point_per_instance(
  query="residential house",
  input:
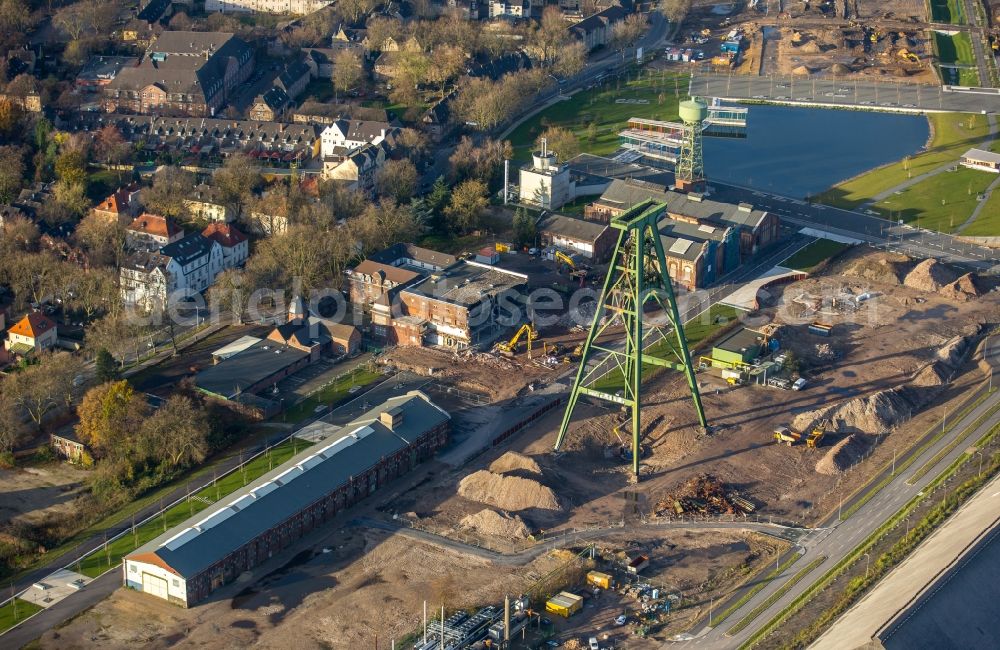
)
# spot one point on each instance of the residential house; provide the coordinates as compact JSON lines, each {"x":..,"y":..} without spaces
{"x":467,"y":9}
{"x":184,"y":73}
{"x":321,"y":59}
{"x":596,"y":30}
{"x":437,"y":119}
{"x":510,"y":8}
{"x":324,"y":114}
{"x":152,"y":231}
{"x":294,"y":78}
{"x":152,"y":278}
{"x":283,"y":7}
{"x":414,"y":257}
{"x":206,"y":204}
{"x":66,"y":445}
{"x":34,"y":333}
{"x":316,"y":335}
{"x":122,"y":206}
{"x":139,"y":32}
{"x":343,"y":136}
{"x":357,"y":170}
{"x":235,"y":246}
{"x":270,"y":105}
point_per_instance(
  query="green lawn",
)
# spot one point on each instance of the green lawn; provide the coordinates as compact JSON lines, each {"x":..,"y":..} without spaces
{"x":101,"y":560}
{"x":947,"y":11}
{"x":696,"y":330}
{"x":987,"y":224}
{"x":942,"y":202}
{"x":808,"y":258}
{"x":955,"y":49}
{"x":101,"y":183}
{"x":331,"y":393}
{"x":9,"y":619}
{"x":953,"y":134}
{"x":598,"y":107}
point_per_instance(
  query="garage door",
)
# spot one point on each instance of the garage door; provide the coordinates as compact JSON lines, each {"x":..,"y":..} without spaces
{"x":154,"y":585}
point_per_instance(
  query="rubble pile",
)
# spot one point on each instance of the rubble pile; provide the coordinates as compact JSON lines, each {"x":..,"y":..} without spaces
{"x":485,"y":358}
{"x":877,"y":269}
{"x":703,"y":495}
{"x":875,"y":413}
{"x":515,"y":463}
{"x":511,"y":493}
{"x":496,"y":524}
{"x":844,"y":454}
{"x":930,"y":275}
{"x":963,"y":289}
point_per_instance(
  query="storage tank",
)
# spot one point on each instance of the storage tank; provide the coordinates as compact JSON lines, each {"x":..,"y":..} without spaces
{"x":693,"y":111}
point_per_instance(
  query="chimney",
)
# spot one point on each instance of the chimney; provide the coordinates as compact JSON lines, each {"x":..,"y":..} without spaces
{"x":391,"y":418}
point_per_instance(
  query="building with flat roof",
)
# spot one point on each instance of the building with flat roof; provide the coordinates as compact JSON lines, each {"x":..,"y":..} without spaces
{"x":986,"y":161}
{"x":742,"y":346}
{"x":256,"y":368}
{"x":545,"y":183}
{"x":187,"y":563}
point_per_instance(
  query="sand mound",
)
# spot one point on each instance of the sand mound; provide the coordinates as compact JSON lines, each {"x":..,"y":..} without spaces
{"x":496,"y":524}
{"x":812,"y":47}
{"x":875,"y":413}
{"x":802,"y":71}
{"x":952,"y":353}
{"x":511,"y":493}
{"x":839,"y":68}
{"x":843,"y":454}
{"x":963,"y":289}
{"x":933,"y":374}
{"x":929,"y":275}
{"x":875,"y":270}
{"x":515,"y":462}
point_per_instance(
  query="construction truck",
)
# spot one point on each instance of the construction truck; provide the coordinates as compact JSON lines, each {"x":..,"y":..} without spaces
{"x":502,"y":248}
{"x":784,"y":435}
{"x":815,"y":438}
{"x":565,"y":259}
{"x":508,"y":348}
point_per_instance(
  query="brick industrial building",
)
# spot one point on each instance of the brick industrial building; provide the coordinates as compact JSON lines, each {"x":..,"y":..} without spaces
{"x":187,"y":563}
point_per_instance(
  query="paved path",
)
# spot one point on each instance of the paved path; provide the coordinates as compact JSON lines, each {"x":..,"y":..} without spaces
{"x":835,"y":539}
{"x":920,"y":572}
{"x":979,"y":208}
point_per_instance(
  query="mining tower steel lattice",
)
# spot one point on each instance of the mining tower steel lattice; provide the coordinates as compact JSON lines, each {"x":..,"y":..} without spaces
{"x":636,"y":277}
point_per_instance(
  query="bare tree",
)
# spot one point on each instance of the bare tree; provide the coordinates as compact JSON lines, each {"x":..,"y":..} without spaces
{"x":397,"y":179}
{"x":177,"y":432}
{"x":171,"y":185}
{"x":347,"y":71}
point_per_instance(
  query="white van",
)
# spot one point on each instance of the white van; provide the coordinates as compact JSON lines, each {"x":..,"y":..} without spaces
{"x":593,"y":643}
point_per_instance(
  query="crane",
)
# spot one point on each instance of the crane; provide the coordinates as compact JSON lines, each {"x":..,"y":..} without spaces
{"x":507,"y":348}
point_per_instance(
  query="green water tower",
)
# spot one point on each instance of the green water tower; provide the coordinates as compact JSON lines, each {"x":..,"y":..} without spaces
{"x":690,"y":170}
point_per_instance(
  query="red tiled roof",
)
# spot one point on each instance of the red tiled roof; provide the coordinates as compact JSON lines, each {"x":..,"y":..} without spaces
{"x":33,"y":325}
{"x":117,"y":202}
{"x":155,"y":225}
{"x":227,"y":235}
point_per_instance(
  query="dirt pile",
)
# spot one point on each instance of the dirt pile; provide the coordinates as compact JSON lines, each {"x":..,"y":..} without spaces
{"x":824,"y":352}
{"x":877,"y":269}
{"x":510,"y":493}
{"x":953,"y":353}
{"x":496,"y":524}
{"x":929,"y":275}
{"x":802,"y":71}
{"x":876,"y":413}
{"x":840,"y":68}
{"x":513,"y":462}
{"x":704,"y":495}
{"x":844,"y":454}
{"x":963,"y":289}
{"x":812,"y":47}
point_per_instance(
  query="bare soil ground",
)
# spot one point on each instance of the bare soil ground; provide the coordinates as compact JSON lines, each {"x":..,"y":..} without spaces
{"x":30,"y":494}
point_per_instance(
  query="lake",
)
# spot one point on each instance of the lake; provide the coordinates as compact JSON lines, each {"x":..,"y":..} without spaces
{"x":802,"y":151}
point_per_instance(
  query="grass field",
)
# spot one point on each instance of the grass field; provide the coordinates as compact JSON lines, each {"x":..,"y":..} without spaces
{"x":808,"y":258}
{"x":597,"y":106}
{"x":103,"y":559}
{"x":330,"y":394}
{"x":24,"y":609}
{"x":953,"y":134}
{"x":942,"y":202}
{"x":955,"y":49}
{"x":987,"y":224}
{"x":947,"y":11}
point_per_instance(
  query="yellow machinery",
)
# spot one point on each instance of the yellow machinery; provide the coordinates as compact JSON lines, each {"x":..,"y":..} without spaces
{"x":907,"y":55}
{"x":816,"y":437}
{"x":784,"y":435}
{"x":502,"y":248}
{"x":565,"y":259}
{"x":508,"y":348}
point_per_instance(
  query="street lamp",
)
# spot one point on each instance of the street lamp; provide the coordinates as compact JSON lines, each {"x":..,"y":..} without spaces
{"x":868,"y":559}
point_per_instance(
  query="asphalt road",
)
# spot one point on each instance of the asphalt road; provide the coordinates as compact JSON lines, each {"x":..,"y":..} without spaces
{"x":884,"y":96}
{"x":867,"y":228}
{"x":838,"y":538}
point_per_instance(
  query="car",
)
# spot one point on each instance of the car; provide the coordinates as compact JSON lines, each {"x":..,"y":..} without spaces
{"x":621,"y":620}
{"x":593,"y":644}
{"x":799,"y":384}
{"x":552,"y":643}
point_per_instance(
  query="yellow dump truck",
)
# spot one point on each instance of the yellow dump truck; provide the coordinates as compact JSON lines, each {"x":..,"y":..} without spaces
{"x":564,"y":604}
{"x":784,"y":435}
{"x":598,"y":579}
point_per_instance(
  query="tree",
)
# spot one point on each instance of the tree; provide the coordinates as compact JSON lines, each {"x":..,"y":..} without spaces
{"x":231,"y":292}
{"x":571,"y":59}
{"x":559,"y":141}
{"x":12,"y":427}
{"x":482,"y":161}
{"x":11,"y":116}
{"x":675,"y":10}
{"x":525,"y":229}
{"x":67,"y":372}
{"x":70,"y":202}
{"x":94,"y":290}
{"x":171,"y":185}
{"x":397,"y":179}
{"x":39,"y":388}
{"x":111,"y":417}
{"x":383,"y":225}
{"x":468,"y":202}
{"x":550,"y":35}
{"x":447,"y":62}
{"x":104,"y":366}
{"x":626,"y":32}
{"x":11,"y":172}
{"x":380,"y":29}
{"x":110,"y":146}
{"x":103,"y":239}
{"x":354,"y":10}
{"x":347,"y":71}
{"x":71,"y":167}
{"x":15,"y":16}
{"x":177,"y":432}
{"x":237,"y":180}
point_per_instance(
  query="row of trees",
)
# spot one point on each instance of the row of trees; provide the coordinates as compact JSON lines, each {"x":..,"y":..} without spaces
{"x":35,"y":392}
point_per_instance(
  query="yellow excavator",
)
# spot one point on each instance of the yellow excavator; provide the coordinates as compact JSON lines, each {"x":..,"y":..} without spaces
{"x":815,"y":438}
{"x":508,"y":348}
{"x":565,"y":259}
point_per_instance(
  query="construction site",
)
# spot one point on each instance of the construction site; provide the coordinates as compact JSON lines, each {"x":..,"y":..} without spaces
{"x":889,"y":40}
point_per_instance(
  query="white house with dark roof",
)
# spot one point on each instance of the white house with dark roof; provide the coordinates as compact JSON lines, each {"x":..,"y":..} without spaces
{"x":151,"y":278}
{"x":344,"y":136}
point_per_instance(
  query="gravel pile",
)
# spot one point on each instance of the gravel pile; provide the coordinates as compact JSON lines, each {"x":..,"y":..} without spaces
{"x":512,"y":493}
